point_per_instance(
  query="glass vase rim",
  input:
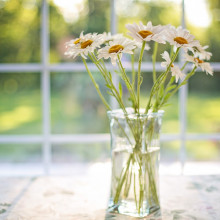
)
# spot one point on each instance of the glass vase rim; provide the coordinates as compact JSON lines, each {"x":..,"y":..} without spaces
{"x":120,"y":114}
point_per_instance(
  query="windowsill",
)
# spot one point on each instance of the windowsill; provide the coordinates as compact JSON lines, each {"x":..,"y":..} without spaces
{"x":85,"y":169}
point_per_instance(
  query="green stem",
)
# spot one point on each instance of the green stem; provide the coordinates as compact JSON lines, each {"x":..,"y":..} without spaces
{"x":184,"y":81}
{"x":96,"y":86}
{"x":103,"y":64}
{"x":151,"y":178}
{"x":125,"y":173}
{"x":154,"y":56}
{"x":141,"y":192}
{"x":183,"y":67}
{"x":109,"y":81}
{"x":133,"y":72}
{"x":139,"y":76}
{"x":97,"y":63}
{"x":164,"y":101}
{"x":160,"y":81}
{"x":128,"y":183}
{"x":121,"y":182}
{"x":171,"y":51}
{"x":128,"y":84}
{"x":135,"y":196}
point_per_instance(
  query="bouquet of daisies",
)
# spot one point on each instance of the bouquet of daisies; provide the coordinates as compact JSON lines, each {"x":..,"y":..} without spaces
{"x":101,"y":47}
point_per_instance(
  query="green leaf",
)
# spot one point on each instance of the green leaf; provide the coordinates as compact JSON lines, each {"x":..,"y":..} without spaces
{"x":110,"y":93}
{"x":127,"y":84}
{"x":110,"y":75}
{"x":120,"y":89}
{"x":141,"y":80}
{"x":168,"y":104}
{"x":184,"y":83}
{"x":161,"y":91}
{"x":172,"y":80}
{"x":170,"y":88}
{"x":108,"y":86}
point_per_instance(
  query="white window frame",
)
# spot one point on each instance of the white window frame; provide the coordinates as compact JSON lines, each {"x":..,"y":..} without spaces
{"x":45,"y":68}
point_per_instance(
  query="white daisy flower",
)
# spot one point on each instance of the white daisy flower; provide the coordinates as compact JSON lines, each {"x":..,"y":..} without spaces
{"x":177,"y":73}
{"x":205,"y":66}
{"x":165,"y":55}
{"x":139,"y":45}
{"x":201,"y":52}
{"x":175,"y":70}
{"x":83,"y":45}
{"x":180,"y":38}
{"x":146,"y":32}
{"x":115,"y":48}
{"x":110,"y":37}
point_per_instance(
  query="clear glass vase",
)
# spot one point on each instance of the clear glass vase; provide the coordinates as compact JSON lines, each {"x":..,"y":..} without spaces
{"x":135,"y":162}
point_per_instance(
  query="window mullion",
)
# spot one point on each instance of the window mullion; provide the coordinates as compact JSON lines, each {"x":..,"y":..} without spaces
{"x":183,"y":92}
{"x":45,"y":87}
{"x":115,"y":77}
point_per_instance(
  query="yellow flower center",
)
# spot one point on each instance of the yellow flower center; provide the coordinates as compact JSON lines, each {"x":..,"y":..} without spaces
{"x":144,"y":33}
{"x":76,"y":41}
{"x":115,"y":48}
{"x":198,"y":60}
{"x":180,"y":40}
{"x":86,"y":44}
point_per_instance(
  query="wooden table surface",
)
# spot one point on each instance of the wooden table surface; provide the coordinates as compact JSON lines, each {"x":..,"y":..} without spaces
{"x":85,"y":198}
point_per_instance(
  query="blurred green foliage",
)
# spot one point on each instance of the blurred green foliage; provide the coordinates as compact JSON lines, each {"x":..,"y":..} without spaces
{"x":20,"y":28}
{"x":75,"y":106}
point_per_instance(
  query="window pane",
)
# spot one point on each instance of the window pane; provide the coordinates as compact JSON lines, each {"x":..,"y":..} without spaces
{"x":20,"y":108}
{"x":80,"y":159}
{"x":203,"y":105}
{"x":20,"y":31}
{"x":20,"y":153}
{"x":203,"y":150}
{"x":75,"y":104}
{"x":169,"y":151}
{"x":170,"y":158}
{"x":73,"y":17}
{"x":203,"y":21}
{"x":78,"y":153}
{"x":159,"y":12}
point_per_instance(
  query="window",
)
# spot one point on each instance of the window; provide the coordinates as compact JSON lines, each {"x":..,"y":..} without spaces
{"x":48,"y":107}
